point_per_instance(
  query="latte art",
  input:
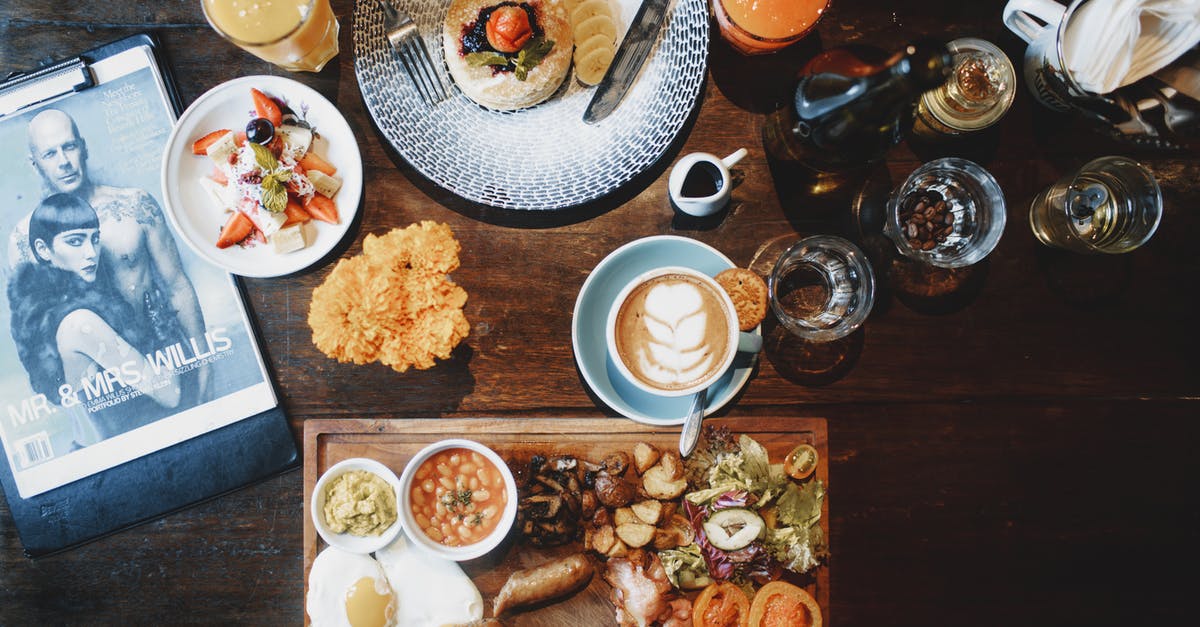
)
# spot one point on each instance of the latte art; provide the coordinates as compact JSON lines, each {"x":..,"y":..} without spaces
{"x":672,"y":332}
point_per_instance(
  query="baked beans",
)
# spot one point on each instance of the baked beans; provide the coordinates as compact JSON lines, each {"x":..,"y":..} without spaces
{"x":457,"y":497}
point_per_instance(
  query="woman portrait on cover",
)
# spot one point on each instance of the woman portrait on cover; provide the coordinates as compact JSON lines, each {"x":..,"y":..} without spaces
{"x":70,"y":324}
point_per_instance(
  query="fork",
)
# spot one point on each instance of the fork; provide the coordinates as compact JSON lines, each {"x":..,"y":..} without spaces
{"x":404,"y":38}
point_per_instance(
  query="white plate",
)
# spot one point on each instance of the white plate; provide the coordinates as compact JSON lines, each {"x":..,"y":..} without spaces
{"x":198,"y":221}
{"x":543,"y":157}
{"x":591,"y":313}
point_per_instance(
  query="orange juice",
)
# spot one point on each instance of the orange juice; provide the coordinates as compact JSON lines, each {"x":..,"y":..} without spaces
{"x":760,"y":26}
{"x":297,"y":35}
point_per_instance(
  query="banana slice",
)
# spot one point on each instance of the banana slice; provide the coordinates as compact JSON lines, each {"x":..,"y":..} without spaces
{"x":571,"y":4}
{"x":589,"y":9}
{"x":591,"y":68}
{"x":594,"y":42}
{"x":596,"y":25}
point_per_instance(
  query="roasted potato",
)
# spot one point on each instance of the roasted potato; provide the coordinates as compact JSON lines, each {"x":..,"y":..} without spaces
{"x":603,"y":538}
{"x":617,"y":463}
{"x":673,"y":464}
{"x":683,"y":527}
{"x":649,"y":511}
{"x":601,"y":517}
{"x":624,"y":515}
{"x":635,"y":534}
{"x":667,"y":538}
{"x":613,"y":491}
{"x":659,"y":484}
{"x":645,"y":455}
{"x":588,"y":503}
{"x":618,"y":549}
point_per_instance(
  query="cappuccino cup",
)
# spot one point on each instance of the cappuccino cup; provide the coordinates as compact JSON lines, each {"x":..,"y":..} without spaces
{"x":673,"y":331}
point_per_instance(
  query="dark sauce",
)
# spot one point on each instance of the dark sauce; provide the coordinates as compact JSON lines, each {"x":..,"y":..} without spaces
{"x":474,"y":35}
{"x":702,"y":180}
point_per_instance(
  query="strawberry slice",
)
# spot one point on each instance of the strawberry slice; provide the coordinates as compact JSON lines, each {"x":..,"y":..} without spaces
{"x":218,"y":176}
{"x":266,"y":107}
{"x":310,"y":161}
{"x":239,"y":138}
{"x":200,"y":146}
{"x":322,"y":208}
{"x":235,"y":230}
{"x":295,"y":213}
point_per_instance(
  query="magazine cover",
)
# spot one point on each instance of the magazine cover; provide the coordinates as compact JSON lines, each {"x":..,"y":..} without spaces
{"x":118,"y":342}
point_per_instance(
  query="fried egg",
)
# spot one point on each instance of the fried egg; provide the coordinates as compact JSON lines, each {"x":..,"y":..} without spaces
{"x":349,"y":590}
{"x":431,"y":591}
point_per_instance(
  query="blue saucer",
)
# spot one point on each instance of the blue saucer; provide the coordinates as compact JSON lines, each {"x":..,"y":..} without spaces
{"x":591,"y":313}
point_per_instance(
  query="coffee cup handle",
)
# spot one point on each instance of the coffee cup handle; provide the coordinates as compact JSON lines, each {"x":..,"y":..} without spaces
{"x":749,"y":342}
{"x":1019,"y":16}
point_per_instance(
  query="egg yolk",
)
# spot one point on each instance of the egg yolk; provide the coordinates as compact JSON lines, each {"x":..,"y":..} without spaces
{"x":366,"y":607}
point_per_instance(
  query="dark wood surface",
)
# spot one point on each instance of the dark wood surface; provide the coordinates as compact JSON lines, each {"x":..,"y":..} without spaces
{"x":1018,"y":449}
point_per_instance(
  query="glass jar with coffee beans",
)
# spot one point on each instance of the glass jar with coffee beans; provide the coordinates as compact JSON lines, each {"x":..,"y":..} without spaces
{"x":948,"y":213}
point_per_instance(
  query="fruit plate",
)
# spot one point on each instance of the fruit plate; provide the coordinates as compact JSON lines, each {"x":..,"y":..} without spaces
{"x":194,"y":215}
{"x":544,"y":157}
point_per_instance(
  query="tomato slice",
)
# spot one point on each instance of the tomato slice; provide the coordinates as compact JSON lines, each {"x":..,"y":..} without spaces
{"x":780,"y":604}
{"x":801,"y":461}
{"x":721,"y":604}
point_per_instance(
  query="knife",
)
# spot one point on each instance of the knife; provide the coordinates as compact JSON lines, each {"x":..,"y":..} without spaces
{"x":642,"y":34}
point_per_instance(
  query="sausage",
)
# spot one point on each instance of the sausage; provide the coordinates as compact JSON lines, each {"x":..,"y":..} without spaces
{"x":542,"y":583}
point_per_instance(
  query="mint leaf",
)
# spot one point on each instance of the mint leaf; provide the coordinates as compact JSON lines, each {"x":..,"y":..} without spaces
{"x":531,"y":55}
{"x":478,"y":59}
{"x":264,"y":158}
{"x":274,"y":194}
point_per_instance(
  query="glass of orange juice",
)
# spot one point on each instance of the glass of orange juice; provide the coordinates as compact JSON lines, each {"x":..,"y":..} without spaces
{"x":296,"y":35}
{"x":762,"y":26}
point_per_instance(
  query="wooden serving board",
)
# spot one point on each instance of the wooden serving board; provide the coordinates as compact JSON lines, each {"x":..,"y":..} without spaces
{"x":393,"y":442}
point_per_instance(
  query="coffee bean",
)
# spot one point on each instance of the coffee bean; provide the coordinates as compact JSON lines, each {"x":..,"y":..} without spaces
{"x":928,"y":245}
{"x":911,"y":229}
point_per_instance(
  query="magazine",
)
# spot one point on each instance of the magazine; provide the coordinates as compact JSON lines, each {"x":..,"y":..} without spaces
{"x":119,"y":342}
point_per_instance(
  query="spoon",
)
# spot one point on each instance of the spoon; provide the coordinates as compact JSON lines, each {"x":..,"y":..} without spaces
{"x":691,"y":424}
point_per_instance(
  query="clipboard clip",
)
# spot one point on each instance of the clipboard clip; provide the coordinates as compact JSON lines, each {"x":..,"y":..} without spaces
{"x":23,"y":90}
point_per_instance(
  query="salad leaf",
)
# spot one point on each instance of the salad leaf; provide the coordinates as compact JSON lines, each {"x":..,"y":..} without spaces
{"x":684,"y":565}
{"x":747,"y":470}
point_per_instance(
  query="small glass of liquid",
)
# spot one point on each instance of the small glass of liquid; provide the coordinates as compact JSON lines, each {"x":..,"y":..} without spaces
{"x":296,"y":35}
{"x":979,"y":91}
{"x":1111,"y":205}
{"x":822,"y":288}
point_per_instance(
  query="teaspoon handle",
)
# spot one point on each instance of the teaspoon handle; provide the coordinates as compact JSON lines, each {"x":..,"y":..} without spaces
{"x":691,"y":425}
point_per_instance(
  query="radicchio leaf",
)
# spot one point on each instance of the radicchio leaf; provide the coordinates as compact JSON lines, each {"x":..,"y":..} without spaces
{"x":734,"y":498}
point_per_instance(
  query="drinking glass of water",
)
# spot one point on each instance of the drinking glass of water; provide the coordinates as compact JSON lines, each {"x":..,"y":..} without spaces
{"x":822,"y":288}
{"x":1111,"y":205}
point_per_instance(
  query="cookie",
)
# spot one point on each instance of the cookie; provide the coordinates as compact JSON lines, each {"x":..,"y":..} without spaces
{"x":749,"y":295}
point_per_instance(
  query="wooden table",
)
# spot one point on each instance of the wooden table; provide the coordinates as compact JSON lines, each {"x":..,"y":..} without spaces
{"x":1020,"y":451}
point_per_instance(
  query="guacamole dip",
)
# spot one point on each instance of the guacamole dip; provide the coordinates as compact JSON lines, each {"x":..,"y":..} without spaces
{"x":359,"y":503}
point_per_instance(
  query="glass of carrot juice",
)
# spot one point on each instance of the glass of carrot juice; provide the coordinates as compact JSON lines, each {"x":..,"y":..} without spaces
{"x":762,"y":26}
